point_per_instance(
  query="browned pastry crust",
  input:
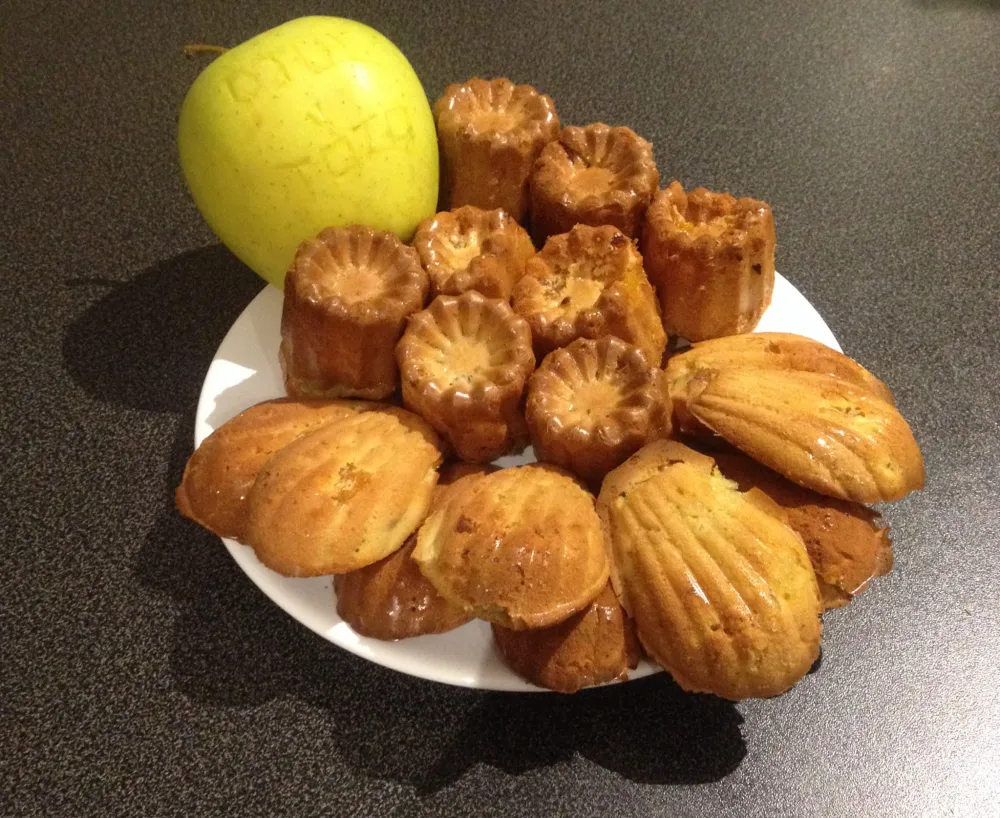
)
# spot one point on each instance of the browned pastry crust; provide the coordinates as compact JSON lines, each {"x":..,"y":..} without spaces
{"x":464,"y":362}
{"x":848,"y":544}
{"x":761,"y":350}
{"x":219,"y":475}
{"x":347,"y":296}
{"x":345,"y":495}
{"x":711,"y":259}
{"x":490,"y":133}
{"x":592,"y":647}
{"x":594,"y":175}
{"x":593,"y":404}
{"x":473,"y":249}
{"x":520,"y":548}
{"x":588,"y":283}
{"x":390,"y":599}
{"x":819,"y":431}
{"x":722,"y":591}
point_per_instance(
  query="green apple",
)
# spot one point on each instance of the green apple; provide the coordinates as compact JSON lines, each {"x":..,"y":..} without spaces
{"x":321,"y":121}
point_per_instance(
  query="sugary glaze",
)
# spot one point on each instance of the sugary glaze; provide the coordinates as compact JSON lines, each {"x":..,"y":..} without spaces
{"x":490,"y":133}
{"x":593,"y":404}
{"x":711,"y":259}
{"x":723,"y":594}
{"x":219,"y":475}
{"x":464,"y":362}
{"x":521,"y":548}
{"x":594,"y":175}
{"x":588,"y":283}
{"x":592,"y":647}
{"x":345,"y":495}
{"x":347,"y":296}
{"x":473,"y":249}
{"x":819,"y":431}
{"x":848,"y":544}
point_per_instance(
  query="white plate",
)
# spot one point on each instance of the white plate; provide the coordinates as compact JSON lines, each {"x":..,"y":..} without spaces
{"x":245,"y":371}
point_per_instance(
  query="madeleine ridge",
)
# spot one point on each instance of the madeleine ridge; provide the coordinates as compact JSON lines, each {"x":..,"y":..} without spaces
{"x":347,"y":296}
{"x":219,"y":475}
{"x":344,"y":496}
{"x":464,"y":362}
{"x":521,"y":548}
{"x":722,"y":593}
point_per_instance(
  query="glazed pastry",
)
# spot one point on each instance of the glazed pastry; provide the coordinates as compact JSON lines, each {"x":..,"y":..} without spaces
{"x":722,"y":592}
{"x":586,"y":284}
{"x":490,"y":133}
{"x":592,"y":647}
{"x":219,"y":475}
{"x":594,"y":175}
{"x":848,"y":544}
{"x":819,"y":431}
{"x":473,"y":249}
{"x":390,"y":599}
{"x":593,"y":404}
{"x":711,"y":259}
{"x":761,"y":350}
{"x":464,"y":362}
{"x":521,"y":548}
{"x":347,"y":296}
{"x":344,"y":496}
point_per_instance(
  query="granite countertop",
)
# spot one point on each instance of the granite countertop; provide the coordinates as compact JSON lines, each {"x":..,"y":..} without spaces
{"x":141,"y":673}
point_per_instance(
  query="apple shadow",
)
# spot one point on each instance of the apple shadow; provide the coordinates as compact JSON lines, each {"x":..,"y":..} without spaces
{"x":146,"y":344}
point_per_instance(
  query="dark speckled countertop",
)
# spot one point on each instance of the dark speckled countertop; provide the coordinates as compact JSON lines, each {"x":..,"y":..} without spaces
{"x":140,"y":671}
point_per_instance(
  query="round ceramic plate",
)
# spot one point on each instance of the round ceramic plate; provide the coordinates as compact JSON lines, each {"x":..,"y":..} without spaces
{"x":245,"y":371}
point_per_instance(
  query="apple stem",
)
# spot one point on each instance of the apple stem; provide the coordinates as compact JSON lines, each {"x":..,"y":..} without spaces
{"x":195,"y":49}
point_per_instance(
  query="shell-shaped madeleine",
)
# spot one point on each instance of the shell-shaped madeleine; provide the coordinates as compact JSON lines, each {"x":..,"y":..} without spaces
{"x":473,"y":249}
{"x":344,"y":496}
{"x":521,"y":548}
{"x":589,"y":283}
{"x":592,"y":647}
{"x":817,"y":430}
{"x":464,"y":362}
{"x":722,"y":593}
{"x":593,"y":404}
{"x":594,"y":175}
{"x":848,"y":544}
{"x":390,"y":599}
{"x":219,"y":475}
{"x":347,"y":296}
{"x":711,"y":259}
{"x":490,"y":133}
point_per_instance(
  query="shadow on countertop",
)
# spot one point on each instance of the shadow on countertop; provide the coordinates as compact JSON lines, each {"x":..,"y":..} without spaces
{"x":146,"y":344}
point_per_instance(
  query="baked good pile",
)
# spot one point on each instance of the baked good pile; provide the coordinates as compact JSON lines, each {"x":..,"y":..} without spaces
{"x":700,"y":505}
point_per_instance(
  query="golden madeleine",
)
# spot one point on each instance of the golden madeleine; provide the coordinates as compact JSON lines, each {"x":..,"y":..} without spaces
{"x":521,"y":548}
{"x":347,"y":296}
{"x":848,"y":543}
{"x":344,"y":496}
{"x":593,"y":404}
{"x":594,"y":175}
{"x":219,"y":475}
{"x":819,"y":431}
{"x":490,"y":132}
{"x":589,"y":283}
{"x":711,"y":259}
{"x":390,"y":599}
{"x":473,"y":249}
{"x":592,"y":647}
{"x":464,"y":362}
{"x":722,"y":593}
